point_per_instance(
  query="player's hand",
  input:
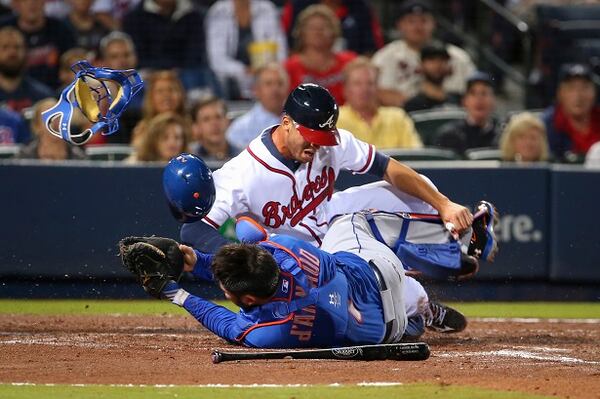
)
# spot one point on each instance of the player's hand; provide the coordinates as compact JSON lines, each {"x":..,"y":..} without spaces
{"x":189,"y":258}
{"x":456,"y":216}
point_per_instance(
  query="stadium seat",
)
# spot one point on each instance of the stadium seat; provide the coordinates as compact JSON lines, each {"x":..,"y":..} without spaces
{"x":483,"y":154}
{"x":537,"y":112}
{"x":235,"y":109}
{"x":428,"y":122}
{"x":574,"y":30}
{"x":587,"y":12}
{"x":108,"y":152}
{"x":9,"y":150}
{"x":421,"y":154}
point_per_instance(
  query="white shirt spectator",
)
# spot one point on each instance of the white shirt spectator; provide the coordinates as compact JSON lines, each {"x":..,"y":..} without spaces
{"x":247,"y":127}
{"x":592,"y":158}
{"x":400,"y":68}
{"x":222,"y":38}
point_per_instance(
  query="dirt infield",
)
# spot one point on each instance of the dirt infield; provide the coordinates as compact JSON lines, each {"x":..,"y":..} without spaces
{"x":552,"y":357}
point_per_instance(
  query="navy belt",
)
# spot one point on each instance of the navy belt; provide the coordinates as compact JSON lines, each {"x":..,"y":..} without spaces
{"x":382,"y":287}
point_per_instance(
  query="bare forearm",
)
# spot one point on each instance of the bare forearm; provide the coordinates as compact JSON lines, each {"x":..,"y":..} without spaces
{"x":407,"y":180}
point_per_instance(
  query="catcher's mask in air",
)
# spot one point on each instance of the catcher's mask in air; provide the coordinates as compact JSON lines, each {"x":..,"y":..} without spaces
{"x":189,"y":187}
{"x":102,"y":94}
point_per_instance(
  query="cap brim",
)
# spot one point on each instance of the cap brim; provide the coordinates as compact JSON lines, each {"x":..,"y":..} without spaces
{"x":319,"y":137}
{"x":486,"y":82}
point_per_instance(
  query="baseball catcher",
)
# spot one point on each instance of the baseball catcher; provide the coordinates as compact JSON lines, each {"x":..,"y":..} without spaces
{"x":155,"y":260}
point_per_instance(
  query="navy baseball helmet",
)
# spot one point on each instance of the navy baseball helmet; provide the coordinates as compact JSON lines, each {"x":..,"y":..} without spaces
{"x":189,"y":187}
{"x":315,"y":111}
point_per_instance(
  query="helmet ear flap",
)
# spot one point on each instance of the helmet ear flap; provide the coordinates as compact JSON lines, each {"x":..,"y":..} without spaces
{"x":180,"y":216}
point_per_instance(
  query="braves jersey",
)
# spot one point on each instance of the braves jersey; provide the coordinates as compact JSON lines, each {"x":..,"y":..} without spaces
{"x":286,"y":199}
{"x":322,"y":300}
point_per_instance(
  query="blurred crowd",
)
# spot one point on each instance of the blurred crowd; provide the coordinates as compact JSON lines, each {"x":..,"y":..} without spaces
{"x":200,"y":58}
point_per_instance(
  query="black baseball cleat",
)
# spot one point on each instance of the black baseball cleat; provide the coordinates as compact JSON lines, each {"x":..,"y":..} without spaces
{"x":444,"y":319}
{"x":484,"y":244}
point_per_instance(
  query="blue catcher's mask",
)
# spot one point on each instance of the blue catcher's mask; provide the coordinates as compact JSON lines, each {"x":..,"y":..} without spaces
{"x":91,"y":93}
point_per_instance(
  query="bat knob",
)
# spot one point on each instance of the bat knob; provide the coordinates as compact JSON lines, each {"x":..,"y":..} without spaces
{"x":452,"y":230}
{"x":216,"y":357}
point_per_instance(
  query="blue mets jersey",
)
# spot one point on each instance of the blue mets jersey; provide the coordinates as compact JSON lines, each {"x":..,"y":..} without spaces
{"x":322,"y":300}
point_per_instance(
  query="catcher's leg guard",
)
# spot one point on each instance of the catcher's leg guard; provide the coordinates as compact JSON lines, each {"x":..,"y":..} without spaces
{"x":422,"y":244}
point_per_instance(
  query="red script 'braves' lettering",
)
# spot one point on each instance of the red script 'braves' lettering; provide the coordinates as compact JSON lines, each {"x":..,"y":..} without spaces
{"x":313,"y":194}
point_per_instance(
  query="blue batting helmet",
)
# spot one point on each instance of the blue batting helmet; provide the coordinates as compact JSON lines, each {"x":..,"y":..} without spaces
{"x":189,"y":188}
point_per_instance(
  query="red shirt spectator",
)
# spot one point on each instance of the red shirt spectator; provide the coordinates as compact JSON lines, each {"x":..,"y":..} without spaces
{"x":315,"y":61}
{"x":582,"y":139}
{"x":331,"y":78}
{"x":573,"y":124}
{"x":360,"y":27}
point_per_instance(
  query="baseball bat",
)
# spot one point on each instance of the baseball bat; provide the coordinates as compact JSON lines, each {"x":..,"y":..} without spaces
{"x":404,"y":351}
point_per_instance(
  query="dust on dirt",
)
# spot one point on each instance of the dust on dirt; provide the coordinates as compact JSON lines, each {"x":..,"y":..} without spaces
{"x":547,"y":357}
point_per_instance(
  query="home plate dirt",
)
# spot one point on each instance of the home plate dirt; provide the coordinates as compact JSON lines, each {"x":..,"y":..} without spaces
{"x":551,"y":357}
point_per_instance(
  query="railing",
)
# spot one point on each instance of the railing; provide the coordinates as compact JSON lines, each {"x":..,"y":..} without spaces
{"x":485,"y":11}
{"x":66,"y":220}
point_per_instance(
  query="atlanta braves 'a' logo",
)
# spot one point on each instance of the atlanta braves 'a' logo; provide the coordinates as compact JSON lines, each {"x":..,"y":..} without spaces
{"x":328,"y":123}
{"x":313,"y":194}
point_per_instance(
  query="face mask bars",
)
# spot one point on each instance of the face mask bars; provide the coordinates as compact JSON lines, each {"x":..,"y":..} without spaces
{"x":90,"y":92}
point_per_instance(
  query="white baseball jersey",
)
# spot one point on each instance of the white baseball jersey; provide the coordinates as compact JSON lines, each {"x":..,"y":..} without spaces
{"x":400,"y":68}
{"x":285,"y":201}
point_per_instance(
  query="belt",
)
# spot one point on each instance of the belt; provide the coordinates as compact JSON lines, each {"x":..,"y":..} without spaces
{"x":382,"y":287}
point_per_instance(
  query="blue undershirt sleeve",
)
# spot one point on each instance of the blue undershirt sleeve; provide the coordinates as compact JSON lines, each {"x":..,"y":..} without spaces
{"x":202,"y":267}
{"x":219,"y":320}
{"x":379,"y":165}
{"x":202,"y":236}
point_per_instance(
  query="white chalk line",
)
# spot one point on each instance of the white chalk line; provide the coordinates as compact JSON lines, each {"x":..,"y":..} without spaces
{"x":360,"y":384}
{"x":535,"y":353}
{"x":554,"y":355}
{"x":532,"y":320}
{"x":85,"y":340}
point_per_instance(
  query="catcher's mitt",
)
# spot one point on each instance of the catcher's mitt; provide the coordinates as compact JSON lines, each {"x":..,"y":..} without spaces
{"x":154,"y":260}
